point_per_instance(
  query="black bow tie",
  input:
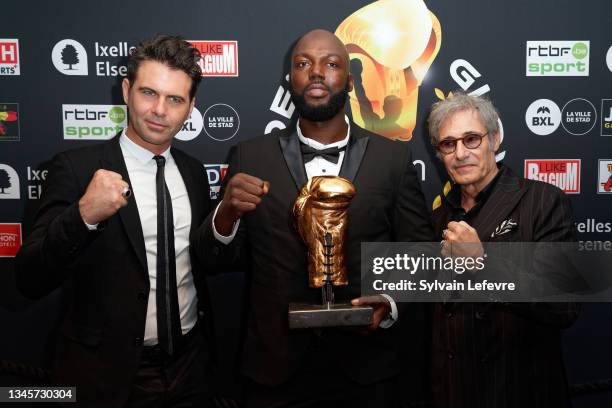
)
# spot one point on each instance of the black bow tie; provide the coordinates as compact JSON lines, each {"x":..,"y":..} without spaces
{"x":331,"y":154}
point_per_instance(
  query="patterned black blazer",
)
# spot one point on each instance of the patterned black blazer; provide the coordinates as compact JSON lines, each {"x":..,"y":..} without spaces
{"x":493,"y":355}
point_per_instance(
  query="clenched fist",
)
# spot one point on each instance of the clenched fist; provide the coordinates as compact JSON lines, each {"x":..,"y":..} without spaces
{"x":461,"y":239}
{"x":242,"y":194}
{"x":103,"y":197}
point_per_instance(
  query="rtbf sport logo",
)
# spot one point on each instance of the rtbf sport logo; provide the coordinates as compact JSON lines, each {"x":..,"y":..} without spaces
{"x":219,"y":58}
{"x":216,"y":174}
{"x":9,"y":56}
{"x":563,"y":173}
{"x":10,"y":240}
{"x":557,"y":58}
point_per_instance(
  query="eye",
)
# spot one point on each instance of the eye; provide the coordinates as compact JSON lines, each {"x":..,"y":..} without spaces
{"x":302,"y":64}
{"x":447,"y":144}
{"x":148,"y":92}
{"x":175,"y":100}
{"x":472,"y":140}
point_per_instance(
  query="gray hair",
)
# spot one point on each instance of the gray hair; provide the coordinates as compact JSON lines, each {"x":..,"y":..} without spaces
{"x":458,"y":102}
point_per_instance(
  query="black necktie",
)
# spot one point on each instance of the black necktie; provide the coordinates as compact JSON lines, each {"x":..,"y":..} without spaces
{"x":330,"y":154}
{"x":168,"y":318}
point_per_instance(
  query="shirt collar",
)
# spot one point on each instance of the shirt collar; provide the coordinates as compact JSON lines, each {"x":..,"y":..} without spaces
{"x":319,"y":146}
{"x":454,"y":196}
{"x":141,"y":154}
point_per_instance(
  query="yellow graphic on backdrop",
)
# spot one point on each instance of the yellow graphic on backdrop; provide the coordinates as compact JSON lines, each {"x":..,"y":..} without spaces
{"x":392,"y":44}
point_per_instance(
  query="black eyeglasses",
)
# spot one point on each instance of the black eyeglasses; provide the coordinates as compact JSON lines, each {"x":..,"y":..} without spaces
{"x":470,"y":141}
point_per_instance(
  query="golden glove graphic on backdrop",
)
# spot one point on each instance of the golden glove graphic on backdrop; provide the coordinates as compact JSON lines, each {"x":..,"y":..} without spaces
{"x":392,"y":44}
{"x":322,"y":207}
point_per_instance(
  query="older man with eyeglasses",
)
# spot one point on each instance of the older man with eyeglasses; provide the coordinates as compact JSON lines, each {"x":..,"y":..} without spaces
{"x":494,"y":354}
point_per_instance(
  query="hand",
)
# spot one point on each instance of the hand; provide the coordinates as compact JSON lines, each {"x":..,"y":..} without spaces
{"x":103,"y":197}
{"x":461,"y":240}
{"x":381,"y":307}
{"x":242,"y":194}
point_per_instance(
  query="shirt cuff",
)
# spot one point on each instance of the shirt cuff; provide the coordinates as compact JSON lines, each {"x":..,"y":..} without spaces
{"x":91,"y":227}
{"x":392,"y":317}
{"x":222,"y":238}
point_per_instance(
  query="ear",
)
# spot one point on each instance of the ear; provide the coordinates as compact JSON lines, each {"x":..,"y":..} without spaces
{"x":350,"y":82}
{"x":191,"y":105}
{"x":496,"y":141}
{"x":125,"y":87}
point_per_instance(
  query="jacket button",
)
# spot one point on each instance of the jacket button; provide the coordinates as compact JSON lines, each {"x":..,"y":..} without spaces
{"x":142,"y":296}
{"x":138,"y":341}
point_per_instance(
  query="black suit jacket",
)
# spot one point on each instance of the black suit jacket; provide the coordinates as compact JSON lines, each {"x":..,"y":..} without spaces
{"x":493,"y":355}
{"x":388,"y":206}
{"x":103,"y":273}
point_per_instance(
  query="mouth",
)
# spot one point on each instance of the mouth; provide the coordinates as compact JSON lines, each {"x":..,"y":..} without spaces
{"x":463,"y":168}
{"x":316,"y":90}
{"x":153,"y":125}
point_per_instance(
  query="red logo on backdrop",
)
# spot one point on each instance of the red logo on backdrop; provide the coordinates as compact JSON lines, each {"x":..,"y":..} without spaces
{"x":219,"y":58}
{"x":9,"y":53}
{"x":10,"y":239}
{"x":563,"y":173}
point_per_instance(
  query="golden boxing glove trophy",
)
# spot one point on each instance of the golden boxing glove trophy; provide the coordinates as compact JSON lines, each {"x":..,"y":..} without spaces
{"x":321,"y":215}
{"x":391,"y":44}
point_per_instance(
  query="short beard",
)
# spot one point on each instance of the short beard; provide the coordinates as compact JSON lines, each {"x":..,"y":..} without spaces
{"x":320,"y":113}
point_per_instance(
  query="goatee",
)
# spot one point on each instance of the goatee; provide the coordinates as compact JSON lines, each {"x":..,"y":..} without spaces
{"x":320,"y":113}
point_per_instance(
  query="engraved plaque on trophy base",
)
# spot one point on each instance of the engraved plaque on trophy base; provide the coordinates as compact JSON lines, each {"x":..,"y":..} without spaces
{"x":304,"y":316}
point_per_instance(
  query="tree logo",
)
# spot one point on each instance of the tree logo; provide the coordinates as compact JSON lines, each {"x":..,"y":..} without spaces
{"x":9,"y":182}
{"x":69,"y":57}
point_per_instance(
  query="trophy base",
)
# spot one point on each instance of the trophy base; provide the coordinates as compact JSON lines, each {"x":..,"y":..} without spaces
{"x":304,"y":316}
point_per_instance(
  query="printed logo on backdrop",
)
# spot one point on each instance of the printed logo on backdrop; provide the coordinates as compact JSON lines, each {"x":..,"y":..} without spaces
{"x":93,"y":122}
{"x":609,"y":58}
{"x":543,"y":117}
{"x":563,"y":173}
{"x":391,"y":45}
{"x":221,"y":122}
{"x":219,"y":58}
{"x":604,"y":176}
{"x":606,"y":117}
{"x":69,"y":57}
{"x":9,"y":122}
{"x":9,"y":56}
{"x":192,"y":126}
{"x":578,"y":116}
{"x":557,"y":58}
{"x":9,"y":182}
{"x":10,"y":240}
{"x":36,"y":179}
{"x":216,"y":174}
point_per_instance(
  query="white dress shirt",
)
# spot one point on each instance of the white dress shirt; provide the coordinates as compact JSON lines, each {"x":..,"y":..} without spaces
{"x":142,"y":169}
{"x":318,"y":166}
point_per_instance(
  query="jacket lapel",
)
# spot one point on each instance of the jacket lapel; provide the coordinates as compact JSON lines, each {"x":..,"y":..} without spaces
{"x":113,"y":161}
{"x":290,"y":146}
{"x":358,"y":141}
{"x":508,"y":192}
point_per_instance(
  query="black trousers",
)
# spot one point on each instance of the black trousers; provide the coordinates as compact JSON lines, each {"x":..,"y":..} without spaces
{"x":179,"y":381}
{"x":320,"y":385}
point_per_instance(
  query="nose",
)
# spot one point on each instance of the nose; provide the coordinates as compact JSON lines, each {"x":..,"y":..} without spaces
{"x":159,"y":107}
{"x":461,"y":152}
{"x":316,"y":71}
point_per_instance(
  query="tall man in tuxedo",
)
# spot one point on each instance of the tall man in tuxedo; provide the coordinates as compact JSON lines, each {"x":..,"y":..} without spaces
{"x":113,"y":230}
{"x":253,"y":224}
{"x":494,"y":354}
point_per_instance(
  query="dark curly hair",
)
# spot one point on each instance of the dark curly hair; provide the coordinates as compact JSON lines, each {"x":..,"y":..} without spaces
{"x":173,"y":51}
